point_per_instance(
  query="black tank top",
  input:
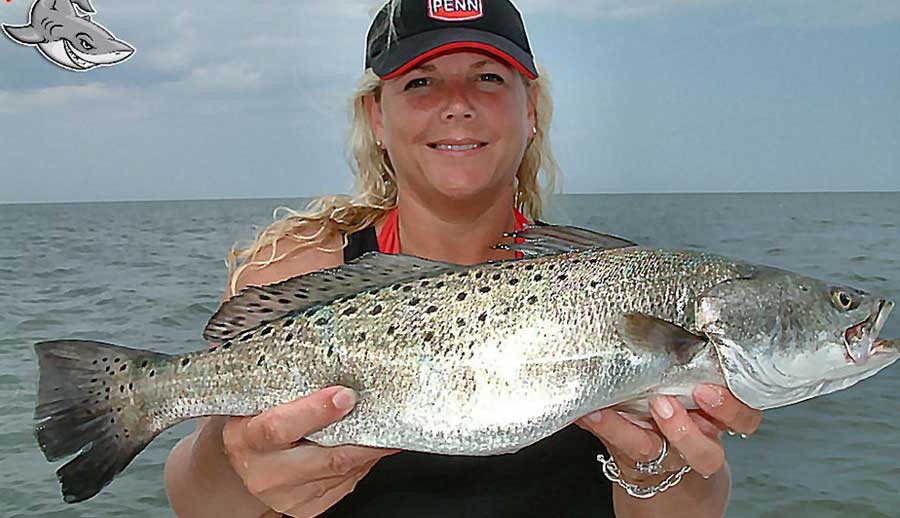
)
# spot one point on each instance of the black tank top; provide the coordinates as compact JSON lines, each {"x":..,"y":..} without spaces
{"x":556,"y":477}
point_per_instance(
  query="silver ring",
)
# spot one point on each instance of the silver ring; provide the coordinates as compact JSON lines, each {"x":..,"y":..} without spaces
{"x":654,"y":467}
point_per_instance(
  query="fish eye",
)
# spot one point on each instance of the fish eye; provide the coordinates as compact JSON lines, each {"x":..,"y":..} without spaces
{"x":843,"y":300}
{"x":86,"y":45}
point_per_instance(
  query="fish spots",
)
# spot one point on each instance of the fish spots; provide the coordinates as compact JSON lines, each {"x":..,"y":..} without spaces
{"x":376,"y":310}
{"x":594,"y":284}
{"x":131,"y":386}
{"x":266,"y":331}
{"x":529,"y":267}
{"x":484,"y":289}
{"x":407,"y":288}
{"x":424,"y":284}
{"x":261,"y":361}
{"x":562,"y":277}
{"x":227,"y":345}
{"x":266,"y":310}
{"x":532,"y":299}
{"x":439,"y":284}
{"x":513,"y":281}
{"x":123,"y":367}
{"x":362,"y":337}
{"x":482,"y":317}
{"x":460,"y":322}
{"x":289,"y":337}
{"x":284,"y":301}
{"x":431,"y":309}
{"x":496,"y":276}
{"x":330,"y":351}
{"x":185,"y":362}
{"x":391,"y":329}
{"x":264,"y":297}
{"x":478,"y":275}
{"x":414,"y":301}
{"x":301,"y":295}
{"x":538,"y":277}
{"x":461,"y":296}
{"x":321,"y":321}
{"x":429,"y":336}
{"x":152,"y":373}
{"x":349,"y":311}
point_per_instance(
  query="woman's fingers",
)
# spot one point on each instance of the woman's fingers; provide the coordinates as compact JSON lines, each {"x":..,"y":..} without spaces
{"x":721,"y":405}
{"x":279,"y":427}
{"x":314,"y":498}
{"x":701,"y":452}
{"x":619,"y":433}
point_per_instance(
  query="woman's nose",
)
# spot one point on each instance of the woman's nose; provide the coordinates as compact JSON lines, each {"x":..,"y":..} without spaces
{"x":458,"y":105}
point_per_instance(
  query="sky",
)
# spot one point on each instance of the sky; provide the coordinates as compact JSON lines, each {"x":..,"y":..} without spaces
{"x":249,"y":99}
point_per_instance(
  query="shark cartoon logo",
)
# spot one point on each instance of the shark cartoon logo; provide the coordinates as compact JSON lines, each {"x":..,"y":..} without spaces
{"x":68,"y":38}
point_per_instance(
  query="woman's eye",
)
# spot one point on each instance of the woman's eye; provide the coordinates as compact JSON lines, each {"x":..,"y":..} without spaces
{"x":492,"y":77}
{"x":415,"y":83}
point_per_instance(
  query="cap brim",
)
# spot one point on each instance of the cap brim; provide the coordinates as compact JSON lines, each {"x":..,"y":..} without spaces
{"x":409,"y":52}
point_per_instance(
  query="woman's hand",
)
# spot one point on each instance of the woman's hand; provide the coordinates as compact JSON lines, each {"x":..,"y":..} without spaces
{"x":693,"y":436}
{"x":300,"y":479}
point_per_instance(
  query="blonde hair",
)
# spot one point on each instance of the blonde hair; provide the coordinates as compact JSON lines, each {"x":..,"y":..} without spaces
{"x":376,"y":188}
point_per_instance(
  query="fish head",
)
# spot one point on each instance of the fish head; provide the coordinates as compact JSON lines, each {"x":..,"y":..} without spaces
{"x":783,"y":338}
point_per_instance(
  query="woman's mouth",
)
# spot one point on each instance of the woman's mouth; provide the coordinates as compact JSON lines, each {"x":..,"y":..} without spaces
{"x":458,"y":146}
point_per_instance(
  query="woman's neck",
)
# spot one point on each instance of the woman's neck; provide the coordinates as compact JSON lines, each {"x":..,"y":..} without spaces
{"x":456,"y":233}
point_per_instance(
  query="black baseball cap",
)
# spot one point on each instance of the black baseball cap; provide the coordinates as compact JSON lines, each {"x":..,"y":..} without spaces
{"x":427,"y":28}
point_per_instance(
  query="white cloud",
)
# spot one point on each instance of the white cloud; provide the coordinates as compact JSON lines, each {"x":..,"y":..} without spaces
{"x":224,"y":76}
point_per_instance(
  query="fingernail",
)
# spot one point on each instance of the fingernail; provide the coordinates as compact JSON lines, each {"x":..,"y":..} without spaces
{"x":595,"y":417}
{"x":344,"y":399}
{"x":662,"y":406}
{"x":712,"y":396}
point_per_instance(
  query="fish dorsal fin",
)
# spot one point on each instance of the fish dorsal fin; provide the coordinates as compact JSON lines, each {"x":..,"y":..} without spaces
{"x":644,"y":333}
{"x":258,"y":305}
{"x":558,"y":239}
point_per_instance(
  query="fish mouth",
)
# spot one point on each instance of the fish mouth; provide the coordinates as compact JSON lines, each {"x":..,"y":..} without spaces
{"x":77,"y":60}
{"x":866,"y":332}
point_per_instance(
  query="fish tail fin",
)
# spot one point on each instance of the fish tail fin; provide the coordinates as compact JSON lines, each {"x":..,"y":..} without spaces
{"x":78,"y":412}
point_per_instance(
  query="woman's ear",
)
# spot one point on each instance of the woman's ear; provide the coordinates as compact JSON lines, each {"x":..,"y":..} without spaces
{"x":531,"y":96}
{"x":373,"y":110}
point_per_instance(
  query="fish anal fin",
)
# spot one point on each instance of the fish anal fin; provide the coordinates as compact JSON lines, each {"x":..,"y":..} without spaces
{"x":643,"y":332}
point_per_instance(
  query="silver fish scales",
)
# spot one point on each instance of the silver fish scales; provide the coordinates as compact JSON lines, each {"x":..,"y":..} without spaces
{"x":474,"y":360}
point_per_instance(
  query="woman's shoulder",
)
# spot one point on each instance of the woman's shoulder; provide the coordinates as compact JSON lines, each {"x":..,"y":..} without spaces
{"x":298,"y":260}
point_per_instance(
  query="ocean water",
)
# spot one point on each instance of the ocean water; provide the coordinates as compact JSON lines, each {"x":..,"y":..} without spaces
{"x":150,"y":274}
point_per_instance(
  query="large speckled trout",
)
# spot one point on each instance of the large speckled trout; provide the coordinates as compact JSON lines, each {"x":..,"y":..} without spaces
{"x":473,"y":360}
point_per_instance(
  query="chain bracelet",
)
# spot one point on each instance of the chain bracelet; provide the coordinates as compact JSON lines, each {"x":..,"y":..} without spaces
{"x":613,"y":473}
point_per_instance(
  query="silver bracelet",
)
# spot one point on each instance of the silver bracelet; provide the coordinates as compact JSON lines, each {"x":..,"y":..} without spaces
{"x":614,"y":474}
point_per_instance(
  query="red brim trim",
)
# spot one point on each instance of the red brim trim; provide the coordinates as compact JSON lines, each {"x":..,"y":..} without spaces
{"x":460,"y":45}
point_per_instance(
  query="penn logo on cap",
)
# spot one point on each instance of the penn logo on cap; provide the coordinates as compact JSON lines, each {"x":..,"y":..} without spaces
{"x":455,"y":10}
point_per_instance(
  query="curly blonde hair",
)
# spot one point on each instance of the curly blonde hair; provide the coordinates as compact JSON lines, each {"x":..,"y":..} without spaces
{"x":376,"y":188}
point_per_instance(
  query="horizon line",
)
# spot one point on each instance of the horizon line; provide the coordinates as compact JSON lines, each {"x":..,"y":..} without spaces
{"x":649,"y":193}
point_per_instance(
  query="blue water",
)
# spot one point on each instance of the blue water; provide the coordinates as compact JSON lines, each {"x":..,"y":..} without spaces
{"x":150,"y":274}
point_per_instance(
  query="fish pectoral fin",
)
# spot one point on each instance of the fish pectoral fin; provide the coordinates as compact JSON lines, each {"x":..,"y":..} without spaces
{"x":645,"y":333}
{"x":24,"y":34}
{"x":535,"y":241}
{"x":258,"y":305}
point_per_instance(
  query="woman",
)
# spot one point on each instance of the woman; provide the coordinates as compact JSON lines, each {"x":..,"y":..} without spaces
{"x":451,"y":123}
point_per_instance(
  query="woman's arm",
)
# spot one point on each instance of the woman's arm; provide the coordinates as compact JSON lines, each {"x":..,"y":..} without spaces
{"x":253,"y":466}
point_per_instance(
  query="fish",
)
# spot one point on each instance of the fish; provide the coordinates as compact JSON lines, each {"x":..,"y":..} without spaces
{"x":480,"y":359}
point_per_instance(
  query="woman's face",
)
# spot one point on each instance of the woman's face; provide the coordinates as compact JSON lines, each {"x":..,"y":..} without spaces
{"x":466,"y":99}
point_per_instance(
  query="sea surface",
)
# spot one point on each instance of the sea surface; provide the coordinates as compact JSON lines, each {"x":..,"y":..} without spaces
{"x":149,"y":274}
